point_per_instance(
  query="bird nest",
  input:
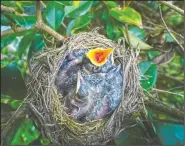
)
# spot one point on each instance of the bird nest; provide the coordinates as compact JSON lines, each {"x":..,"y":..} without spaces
{"x":44,"y":101}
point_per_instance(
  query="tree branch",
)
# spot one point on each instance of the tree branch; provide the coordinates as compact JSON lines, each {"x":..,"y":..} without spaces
{"x":175,"y":8}
{"x":11,"y":10}
{"x":18,"y":30}
{"x":40,"y":25}
{"x":165,"y":109}
{"x":169,"y":30}
{"x":38,"y":12}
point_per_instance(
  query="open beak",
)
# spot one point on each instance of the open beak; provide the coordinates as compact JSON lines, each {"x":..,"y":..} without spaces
{"x":99,"y":56}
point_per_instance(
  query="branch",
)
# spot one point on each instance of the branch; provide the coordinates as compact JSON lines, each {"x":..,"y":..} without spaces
{"x":38,"y":11}
{"x":45,"y":28}
{"x":40,"y":25}
{"x":18,"y":30}
{"x":174,"y":112}
{"x":11,"y":10}
{"x":175,"y":8}
{"x":169,"y":30}
{"x":163,"y":91}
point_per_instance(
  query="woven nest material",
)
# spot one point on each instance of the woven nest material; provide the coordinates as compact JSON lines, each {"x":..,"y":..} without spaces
{"x":45,"y":101}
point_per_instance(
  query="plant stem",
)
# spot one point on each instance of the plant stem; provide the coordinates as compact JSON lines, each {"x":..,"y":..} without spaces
{"x":40,"y":25}
{"x":11,"y":10}
{"x":175,"y":8}
{"x":165,"y":109}
{"x":169,"y":30}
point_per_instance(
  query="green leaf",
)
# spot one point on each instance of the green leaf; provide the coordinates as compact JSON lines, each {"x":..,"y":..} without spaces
{"x":168,"y":37}
{"x":78,"y":23}
{"x":152,"y":54}
{"x":126,"y":15}
{"x":54,"y":14}
{"x":136,"y":42}
{"x":111,"y":4}
{"x":66,"y":3}
{"x":138,"y":32}
{"x":45,"y":141}
{"x":6,"y":40}
{"x":170,"y":134}
{"x":14,"y":104}
{"x":175,"y":19}
{"x":148,"y":72}
{"x":37,"y":45}
{"x":24,"y":44}
{"x":76,"y":11}
{"x":112,"y":31}
{"x":26,"y":133}
{"x":23,"y":21}
{"x":13,"y":82}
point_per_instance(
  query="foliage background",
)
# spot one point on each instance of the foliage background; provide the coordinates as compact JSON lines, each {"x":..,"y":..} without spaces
{"x":161,"y":60}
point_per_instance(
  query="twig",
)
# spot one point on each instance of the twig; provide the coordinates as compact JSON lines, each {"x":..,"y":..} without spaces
{"x":163,"y":91}
{"x":40,"y":25}
{"x":175,"y":8}
{"x":11,"y":10}
{"x":43,"y":4}
{"x":149,"y":127}
{"x":169,"y":30}
{"x":165,"y":109}
{"x":18,"y":30}
{"x":38,"y":12}
{"x":171,"y":77}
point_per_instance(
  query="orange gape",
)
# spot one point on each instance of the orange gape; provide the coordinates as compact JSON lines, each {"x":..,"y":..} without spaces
{"x":99,"y":56}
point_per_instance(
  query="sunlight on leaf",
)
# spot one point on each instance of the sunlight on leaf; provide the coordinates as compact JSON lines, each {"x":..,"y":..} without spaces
{"x":78,"y":23}
{"x":54,"y":14}
{"x":76,"y":11}
{"x":135,"y":42}
{"x":126,"y":15}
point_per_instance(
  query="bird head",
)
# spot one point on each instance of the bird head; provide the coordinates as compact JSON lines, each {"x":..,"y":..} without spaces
{"x":99,"y":56}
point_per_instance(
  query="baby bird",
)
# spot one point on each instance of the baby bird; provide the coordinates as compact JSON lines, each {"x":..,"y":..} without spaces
{"x":94,"y":81}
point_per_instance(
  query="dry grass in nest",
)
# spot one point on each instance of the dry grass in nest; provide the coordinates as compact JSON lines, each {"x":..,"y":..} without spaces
{"x":45,"y":102}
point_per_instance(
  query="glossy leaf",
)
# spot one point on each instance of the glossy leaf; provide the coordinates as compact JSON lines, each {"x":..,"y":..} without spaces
{"x":113,"y":31}
{"x":76,"y":11}
{"x":24,"y":44}
{"x":136,"y":42}
{"x":26,"y":133}
{"x":148,"y":72}
{"x":170,"y":134}
{"x":6,"y":40}
{"x":138,"y":32}
{"x":111,"y":4}
{"x":54,"y":14}
{"x":37,"y":45}
{"x":78,"y":23}
{"x":164,"y":58}
{"x":126,"y":15}
{"x":23,"y":21}
{"x":13,"y":82}
{"x":152,"y":54}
